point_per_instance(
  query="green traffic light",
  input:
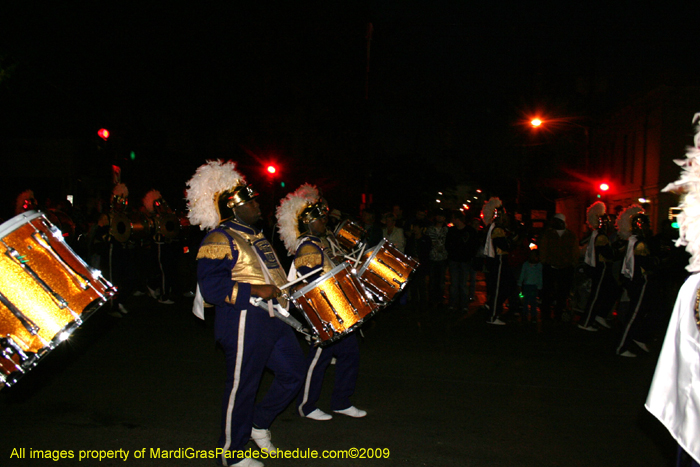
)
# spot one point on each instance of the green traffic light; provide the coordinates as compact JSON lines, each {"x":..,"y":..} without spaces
{"x":675,"y":225}
{"x":282,"y":184}
{"x":132,"y":156}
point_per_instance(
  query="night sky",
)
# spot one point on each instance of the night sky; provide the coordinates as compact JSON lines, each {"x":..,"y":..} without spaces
{"x":255,"y":82}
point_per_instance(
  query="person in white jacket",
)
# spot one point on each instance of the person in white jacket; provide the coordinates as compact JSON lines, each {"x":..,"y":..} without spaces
{"x":674,"y":396}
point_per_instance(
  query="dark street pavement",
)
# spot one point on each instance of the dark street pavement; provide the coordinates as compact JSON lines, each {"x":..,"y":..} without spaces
{"x":440,"y":388}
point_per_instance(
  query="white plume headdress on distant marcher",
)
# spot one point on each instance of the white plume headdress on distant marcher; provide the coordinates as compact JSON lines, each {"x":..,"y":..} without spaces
{"x":150,"y":198}
{"x":593,"y":214}
{"x":204,"y":188}
{"x":288,"y":214}
{"x":688,"y":185}
{"x":489,"y":210}
{"x":120,"y":190}
{"x":624,"y":220}
{"x":22,"y":199}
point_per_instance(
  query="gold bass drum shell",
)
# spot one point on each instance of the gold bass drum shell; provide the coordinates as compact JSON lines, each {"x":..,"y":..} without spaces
{"x":167,"y":225}
{"x":130,"y":227}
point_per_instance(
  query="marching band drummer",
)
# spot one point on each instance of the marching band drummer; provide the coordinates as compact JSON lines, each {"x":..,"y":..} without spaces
{"x":162,"y":257}
{"x":234,"y":264}
{"x":302,"y":218}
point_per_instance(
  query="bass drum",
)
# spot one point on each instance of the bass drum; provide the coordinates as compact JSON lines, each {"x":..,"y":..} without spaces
{"x":46,"y":292}
{"x":130,"y":227}
{"x":167,"y":226}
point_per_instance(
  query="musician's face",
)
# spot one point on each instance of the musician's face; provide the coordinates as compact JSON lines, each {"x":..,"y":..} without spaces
{"x":318,"y":226}
{"x":249,"y":212}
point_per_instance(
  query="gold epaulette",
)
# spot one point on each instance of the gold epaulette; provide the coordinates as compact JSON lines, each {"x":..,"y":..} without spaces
{"x":602,"y":240}
{"x":215,"y":246}
{"x":640,"y":249}
{"x":309,"y":256}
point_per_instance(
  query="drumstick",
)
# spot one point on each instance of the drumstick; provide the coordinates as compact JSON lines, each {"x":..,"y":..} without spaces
{"x":362,"y":250}
{"x":289,"y":284}
{"x":305,"y":276}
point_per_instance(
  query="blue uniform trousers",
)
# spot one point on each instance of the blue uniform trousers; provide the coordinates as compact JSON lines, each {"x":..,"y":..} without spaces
{"x":252,"y":341}
{"x":347,"y":354}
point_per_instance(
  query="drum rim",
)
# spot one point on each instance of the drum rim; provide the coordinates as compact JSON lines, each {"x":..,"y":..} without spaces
{"x":374,"y":250}
{"x":312,"y":285}
{"x":18,"y":221}
{"x":343,"y":223}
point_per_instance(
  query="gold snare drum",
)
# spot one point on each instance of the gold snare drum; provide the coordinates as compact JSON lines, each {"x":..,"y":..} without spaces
{"x":349,"y":235}
{"x":385,"y":271}
{"x":335,"y":304}
{"x":46,"y":292}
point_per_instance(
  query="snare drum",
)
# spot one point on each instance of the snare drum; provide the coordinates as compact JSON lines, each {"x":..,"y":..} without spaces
{"x":385,"y":271}
{"x":335,"y":304}
{"x":133,"y":226}
{"x":349,"y":235}
{"x":46,"y":292}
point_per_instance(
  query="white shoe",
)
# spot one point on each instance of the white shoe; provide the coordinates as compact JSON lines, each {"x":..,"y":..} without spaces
{"x":627,"y":353}
{"x":319,"y":414}
{"x":587,"y":328}
{"x":248,"y":462}
{"x":497,"y":322}
{"x":153,"y":293}
{"x":352,"y":411}
{"x":641,"y":345}
{"x":123,"y":309}
{"x":602,"y":321}
{"x":263,"y":438}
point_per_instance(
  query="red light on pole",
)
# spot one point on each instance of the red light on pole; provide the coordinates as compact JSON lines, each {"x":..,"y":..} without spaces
{"x":271,"y":169}
{"x":102,"y":133}
{"x":604,"y":187}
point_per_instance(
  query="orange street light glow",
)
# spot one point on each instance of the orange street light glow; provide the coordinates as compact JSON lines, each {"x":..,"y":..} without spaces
{"x":535,"y":122}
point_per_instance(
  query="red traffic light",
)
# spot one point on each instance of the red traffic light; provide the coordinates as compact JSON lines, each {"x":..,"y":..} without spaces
{"x":102,"y":133}
{"x":271,"y":169}
{"x":604,"y":187}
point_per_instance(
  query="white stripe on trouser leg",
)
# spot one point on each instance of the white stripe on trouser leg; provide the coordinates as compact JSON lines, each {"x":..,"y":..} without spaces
{"x":236,"y":382}
{"x":498,"y":286}
{"x":634,"y":316}
{"x":595,"y":297}
{"x":309,"y":374}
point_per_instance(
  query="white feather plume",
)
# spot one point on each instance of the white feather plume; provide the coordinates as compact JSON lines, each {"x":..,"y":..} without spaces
{"x":21,"y":198}
{"x":150,"y":198}
{"x":288,"y":214}
{"x":489,"y":209}
{"x":624,"y":220}
{"x":688,"y":185}
{"x":204,"y":188}
{"x":594,"y":212}
{"x":120,"y":190}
